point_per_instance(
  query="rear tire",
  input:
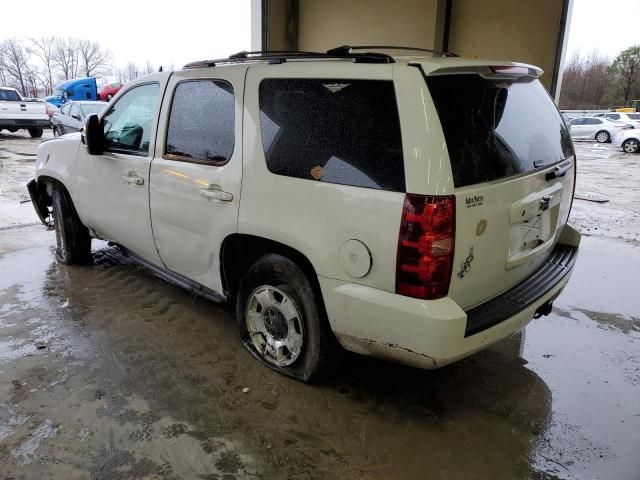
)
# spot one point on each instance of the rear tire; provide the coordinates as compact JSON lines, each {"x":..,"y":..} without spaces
{"x":603,"y":136}
{"x":73,"y":243}
{"x":35,"y":132}
{"x":631,"y":145}
{"x":281,"y":320}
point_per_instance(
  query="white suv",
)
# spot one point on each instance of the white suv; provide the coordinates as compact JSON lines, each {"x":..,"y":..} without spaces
{"x":411,"y":207}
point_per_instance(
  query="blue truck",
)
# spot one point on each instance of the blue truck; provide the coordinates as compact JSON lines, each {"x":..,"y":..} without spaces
{"x":76,"y":89}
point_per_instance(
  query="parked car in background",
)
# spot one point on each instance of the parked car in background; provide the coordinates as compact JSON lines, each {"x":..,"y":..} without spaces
{"x":17,"y":113}
{"x":591,"y":128}
{"x":109,"y":91}
{"x":50,"y":108}
{"x":76,"y":89}
{"x":343,"y":217}
{"x":70,"y":117}
{"x":628,"y":140}
{"x":632,"y":119}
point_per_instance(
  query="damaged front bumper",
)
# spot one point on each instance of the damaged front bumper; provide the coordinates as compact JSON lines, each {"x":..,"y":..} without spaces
{"x":41,"y":201}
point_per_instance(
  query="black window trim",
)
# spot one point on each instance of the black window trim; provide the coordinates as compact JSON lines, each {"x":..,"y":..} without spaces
{"x":403,"y":188}
{"x":105,"y":113}
{"x":182,"y":158}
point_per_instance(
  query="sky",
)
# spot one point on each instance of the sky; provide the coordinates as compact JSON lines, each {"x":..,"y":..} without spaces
{"x":161,"y":32}
{"x":608,"y":26}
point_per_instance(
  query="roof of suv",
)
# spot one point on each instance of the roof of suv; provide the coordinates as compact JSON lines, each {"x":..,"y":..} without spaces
{"x":429,"y":60}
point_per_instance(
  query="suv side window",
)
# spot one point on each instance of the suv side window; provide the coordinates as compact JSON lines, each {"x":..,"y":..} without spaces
{"x":613,"y":116}
{"x":65,"y":109}
{"x":201,"y":123}
{"x":592,"y":121}
{"x":127,"y":124}
{"x":333,"y":130}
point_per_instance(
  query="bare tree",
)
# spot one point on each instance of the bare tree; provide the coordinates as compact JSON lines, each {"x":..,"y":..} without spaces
{"x":65,"y":57}
{"x":15,"y":59}
{"x":3,"y":68}
{"x":626,"y":69}
{"x":148,"y":68}
{"x":94,"y":59}
{"x":43,"y":48}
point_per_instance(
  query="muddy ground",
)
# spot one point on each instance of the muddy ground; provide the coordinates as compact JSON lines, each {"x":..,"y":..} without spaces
{"x":107,"y":372}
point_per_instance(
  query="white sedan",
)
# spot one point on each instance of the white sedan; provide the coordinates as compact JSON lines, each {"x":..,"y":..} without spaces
{"x":628,"y":140}
{"x":631,"y":118}
{"x":591,"y":128}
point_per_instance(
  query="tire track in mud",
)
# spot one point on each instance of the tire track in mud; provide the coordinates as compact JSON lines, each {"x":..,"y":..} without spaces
{"x":121,"y":278}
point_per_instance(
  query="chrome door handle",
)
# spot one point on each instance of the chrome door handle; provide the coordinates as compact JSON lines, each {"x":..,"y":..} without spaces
{"x":216,"y":194}
{"x":133,"y":179}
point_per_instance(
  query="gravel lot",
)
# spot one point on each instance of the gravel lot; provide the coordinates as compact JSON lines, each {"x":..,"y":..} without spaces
{"x":107,"y":372}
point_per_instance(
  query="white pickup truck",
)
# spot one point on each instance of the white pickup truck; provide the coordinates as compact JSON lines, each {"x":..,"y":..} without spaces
{"x":17,"y":113}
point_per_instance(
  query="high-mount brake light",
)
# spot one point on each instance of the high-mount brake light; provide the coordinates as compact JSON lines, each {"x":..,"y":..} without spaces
{"x":510,"y":70}
{"x":425,"y":246}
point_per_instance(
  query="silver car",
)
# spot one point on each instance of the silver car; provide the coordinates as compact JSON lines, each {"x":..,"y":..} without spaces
{"x":630,"y":118}
{"x":628,"y":140}
{"x":591,"y":128}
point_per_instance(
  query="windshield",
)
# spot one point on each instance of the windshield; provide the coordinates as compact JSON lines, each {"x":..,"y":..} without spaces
{"x":498,"y":128}
{"x":58,"y":92}
{"x":89,"y":108}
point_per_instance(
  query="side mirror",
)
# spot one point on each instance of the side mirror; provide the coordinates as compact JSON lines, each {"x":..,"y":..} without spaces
{"x":93,"y":135}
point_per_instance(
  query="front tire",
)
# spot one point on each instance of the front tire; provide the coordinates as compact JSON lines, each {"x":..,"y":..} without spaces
{"x":281,"y":319}
{"x":56,"y":132}
{"x":73,"y":243}
{"x":631,"y":145}
{"x":603,"y":136}
{"x":35,"y":132}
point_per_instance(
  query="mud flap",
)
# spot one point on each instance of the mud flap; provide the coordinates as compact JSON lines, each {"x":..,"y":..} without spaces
{"x":41,"y":202}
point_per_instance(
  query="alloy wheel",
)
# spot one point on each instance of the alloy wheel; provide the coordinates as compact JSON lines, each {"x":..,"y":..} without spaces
{"x":274,"y":324}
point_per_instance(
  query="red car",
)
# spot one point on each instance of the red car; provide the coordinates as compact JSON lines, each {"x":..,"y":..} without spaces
{"x":108,"y":91}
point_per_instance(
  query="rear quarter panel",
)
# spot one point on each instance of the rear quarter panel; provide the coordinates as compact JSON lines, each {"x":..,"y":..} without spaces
{"x":316,"y":218}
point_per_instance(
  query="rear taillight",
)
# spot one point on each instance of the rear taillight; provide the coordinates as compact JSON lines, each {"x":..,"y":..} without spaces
{"x":425,"y":246}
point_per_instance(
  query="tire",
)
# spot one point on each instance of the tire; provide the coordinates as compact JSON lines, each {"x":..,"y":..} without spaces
{"x":73,"y":243}
{"x":35,"y":132}
{"x":631,"y":145}
{"x":56,"y":132}
{"x":277,"y":298}
{"x":603,"y":136}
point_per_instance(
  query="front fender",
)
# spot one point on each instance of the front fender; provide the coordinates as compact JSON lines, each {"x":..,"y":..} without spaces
{"x":56,"y":159}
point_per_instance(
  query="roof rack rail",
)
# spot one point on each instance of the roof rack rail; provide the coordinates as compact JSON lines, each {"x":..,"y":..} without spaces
{"x":281,"y":56}
{"x":347,"y":49}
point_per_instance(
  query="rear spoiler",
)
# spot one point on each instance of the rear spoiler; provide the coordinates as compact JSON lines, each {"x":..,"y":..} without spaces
{"x":497,"y":71}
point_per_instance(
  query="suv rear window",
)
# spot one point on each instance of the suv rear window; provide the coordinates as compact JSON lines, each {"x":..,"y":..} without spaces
{"x":333,"y":130}
{"x":497,"y":128}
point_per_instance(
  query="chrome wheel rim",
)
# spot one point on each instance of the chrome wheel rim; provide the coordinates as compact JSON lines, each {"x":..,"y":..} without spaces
{"x":275,"y":326}
{"x":602,"y":137}
{"x":631,"y":146}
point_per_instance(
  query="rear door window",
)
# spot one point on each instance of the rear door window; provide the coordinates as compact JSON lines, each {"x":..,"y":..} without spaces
{"x":201,"y":125}
{"x":497,"y":128}
{"x":333,"y":130}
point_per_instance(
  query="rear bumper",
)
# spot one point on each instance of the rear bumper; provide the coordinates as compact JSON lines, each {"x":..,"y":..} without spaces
{"x":24,"y":123}
{"x":431,"y":334}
